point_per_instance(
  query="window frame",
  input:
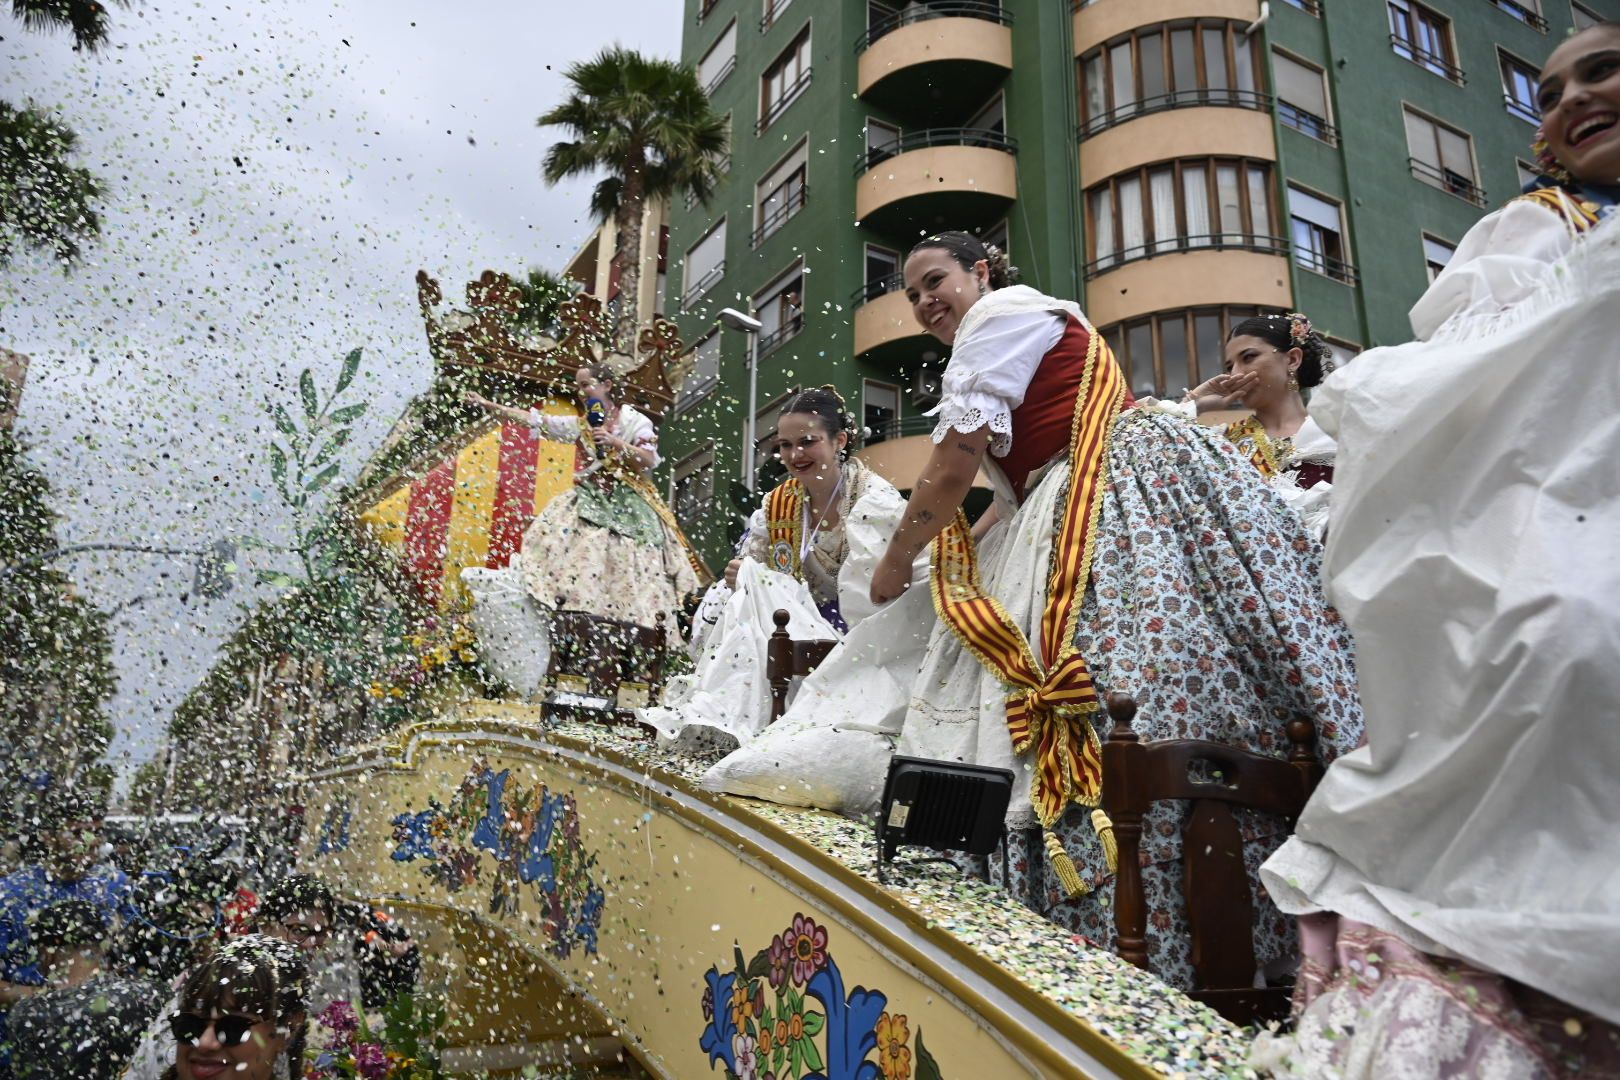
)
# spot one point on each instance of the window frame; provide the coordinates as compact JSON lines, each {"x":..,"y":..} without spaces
{"x":1445,"y":65}
{"x":1323,"y":131}
{"x":1577,"y":11}
{"x":1173,"y":96}
{"x":776,"y":290}
{"x":799,"y":50}
{"x":693,"y":291}
{"x":1117,"y":335}
{"x":1435,"y":268}
{"x":695,"y":389}
{"x":1326,"y":264}
{"x":899,"y":407}
{"x":1524,"y":110}
{"x":726,"y":69}
{"x":768,"y":224}
{"x":871,"y":290}
{"x":1253,"y":235}
{"x":1470,"y":190}
{"x":694,"y":464}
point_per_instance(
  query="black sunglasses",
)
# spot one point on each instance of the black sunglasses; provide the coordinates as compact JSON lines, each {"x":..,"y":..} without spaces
{"x":229,"y":1030}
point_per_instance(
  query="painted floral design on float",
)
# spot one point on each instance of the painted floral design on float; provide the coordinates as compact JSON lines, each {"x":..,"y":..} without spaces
{"x":534,"y":836}
{"x":849,"y":1037}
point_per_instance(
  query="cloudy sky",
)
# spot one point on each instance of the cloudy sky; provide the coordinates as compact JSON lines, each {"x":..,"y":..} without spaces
{"x":276,"y":173}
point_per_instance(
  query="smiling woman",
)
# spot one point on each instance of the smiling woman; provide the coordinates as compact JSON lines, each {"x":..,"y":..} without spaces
{"x":241,"y":1015}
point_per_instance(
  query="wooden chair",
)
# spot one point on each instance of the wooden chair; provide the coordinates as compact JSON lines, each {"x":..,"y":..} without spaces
{"x":607,"y":652}
{"x":1220,"y":911}
{"x":785,"y":658}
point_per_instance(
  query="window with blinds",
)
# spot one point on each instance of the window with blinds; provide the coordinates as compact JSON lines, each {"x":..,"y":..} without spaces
{"x":1302,"y":97}
{"x":781,"y":194}
{"x":1436,"y":254}
{"x":1442,"y":157}
{"x":705,"y":264}
{"x":720,"y":61}
{"x":1316,"y":227}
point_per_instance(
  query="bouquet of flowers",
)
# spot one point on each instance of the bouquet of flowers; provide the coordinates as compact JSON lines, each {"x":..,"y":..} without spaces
{"x":406,"y":1048}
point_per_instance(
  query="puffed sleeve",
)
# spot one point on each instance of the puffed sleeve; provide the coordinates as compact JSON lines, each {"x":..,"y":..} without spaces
{"x":1501,"y":261}
{"x":638,"y":430}
{"x":554,"y":428}
{"x":756,"y":544}
{"x":989,"y":371}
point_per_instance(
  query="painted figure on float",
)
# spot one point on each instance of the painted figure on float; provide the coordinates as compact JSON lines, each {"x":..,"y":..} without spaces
{"x":810,"y":550}
{"x":1123,"y":552}
{"x":1456,"y":877}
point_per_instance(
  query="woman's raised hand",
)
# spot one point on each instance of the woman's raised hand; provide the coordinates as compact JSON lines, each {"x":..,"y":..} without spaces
{"x":731,"y":573}
{"x":891,"y":578}
{"x":1223,"y":391}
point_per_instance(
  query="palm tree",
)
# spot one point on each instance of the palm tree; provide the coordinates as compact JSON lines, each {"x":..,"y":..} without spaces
{"x":543,"y":295}
{"x":649,"y":124}
{"x":86,"y":18}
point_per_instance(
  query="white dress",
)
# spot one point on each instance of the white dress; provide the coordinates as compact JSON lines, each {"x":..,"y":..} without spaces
{"x":726,"y":697}
{"x":1473,"y":552}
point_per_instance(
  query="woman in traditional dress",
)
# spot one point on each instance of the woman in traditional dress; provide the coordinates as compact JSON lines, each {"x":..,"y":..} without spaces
{"x":1128,"y":550}
{"x":608,"y":545}
{"x":810,"y":550}
{"x":1458,"y":878}
{"x":1269,"y":360}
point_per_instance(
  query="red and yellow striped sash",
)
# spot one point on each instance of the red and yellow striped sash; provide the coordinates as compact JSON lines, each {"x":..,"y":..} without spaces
{"x":1259,"y":447}
{"x":1050,"y":696}
{"x":784,"y":523}
{"x":1581,"y":214}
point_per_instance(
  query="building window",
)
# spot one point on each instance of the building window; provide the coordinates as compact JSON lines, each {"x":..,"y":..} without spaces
{"x":1526,"y":11}
{"x":781,"y":195}
{"x":780,"y":309}
{"x":1179,"y":206}
{"x":705,"y":374}
{"x":1423,"y":37}
{"x":773,"y":11}
{"x":1316,"y":227}
{"x":880,"y":411}
{"x":1436,"y":254}
{"x":704,"y":7}
{"x":1519,"y":87}
{"x":692,"y":483}
{"x":768,"y":468}
{"x":1309,"y":7}
{"x":705,"y":264}
{"x":784,"y":80}
{"x":1302,"y":97}
{"x":1168,"y":66}
{"x":1584,"y":17}
{"x":1173,"y":351}
{"x":1528,"y":173}
{"x":1442,"y":157}
{"x":882,"y":142}
{"x":882,"y":274}
{"x":720,"y":61}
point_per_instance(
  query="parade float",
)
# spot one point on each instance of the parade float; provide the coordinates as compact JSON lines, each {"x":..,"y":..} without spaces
{"x":585,"y":906}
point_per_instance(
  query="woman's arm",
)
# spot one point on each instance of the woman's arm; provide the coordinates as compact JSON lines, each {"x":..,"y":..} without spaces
{"x":640,"y":458}
{"x":935,"y":498}
{"x":518,"y":416}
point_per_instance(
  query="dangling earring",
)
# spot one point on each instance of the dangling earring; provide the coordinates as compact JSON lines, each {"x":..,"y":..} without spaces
{"x":1293,"y":382}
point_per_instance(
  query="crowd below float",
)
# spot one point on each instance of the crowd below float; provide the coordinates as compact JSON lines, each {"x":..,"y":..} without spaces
{"x":1416,"y":560}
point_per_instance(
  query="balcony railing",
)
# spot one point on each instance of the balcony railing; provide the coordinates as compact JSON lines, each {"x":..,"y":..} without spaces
{"x":943,"y":9}
{"x":1442,"y":67}
{"x":704,"y":8}
{"x":1309,"y":7}
{"x":791,"y":204}
{"x":1307,"y":123}
{"x":1176,"y":99}
{"x":1457,"y":184}
{"x":723,"y":167}
{"x":703,"y":285}
{"x":927,"y":137}
{"x":1175,"y":245}
{"x":1523,"y":14}
{"x":774,"y":340}
{"x":780,"y":105}
{"x":1339,"y":271}
{"x":773,"y":11}
{"x":880,"y":287}
{"x":1518,"y":108}
{"x":720,"y":77}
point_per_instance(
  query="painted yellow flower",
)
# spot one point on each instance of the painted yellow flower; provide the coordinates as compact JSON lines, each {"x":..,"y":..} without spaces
{"x":741,"y":1006}
{"x":376,"y":690}
{"x":894,"y":1056}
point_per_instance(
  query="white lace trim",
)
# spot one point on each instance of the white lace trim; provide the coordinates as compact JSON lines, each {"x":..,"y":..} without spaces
{"x":969,"y":413}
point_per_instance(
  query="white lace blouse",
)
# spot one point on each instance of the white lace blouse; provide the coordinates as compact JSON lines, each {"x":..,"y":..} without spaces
{"x":991,"y":366}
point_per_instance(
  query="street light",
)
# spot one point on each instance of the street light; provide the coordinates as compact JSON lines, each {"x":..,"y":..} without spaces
{"x":732,"y":319}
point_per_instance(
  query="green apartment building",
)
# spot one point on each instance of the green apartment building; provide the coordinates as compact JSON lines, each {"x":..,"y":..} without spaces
{"x":1172,"y":164}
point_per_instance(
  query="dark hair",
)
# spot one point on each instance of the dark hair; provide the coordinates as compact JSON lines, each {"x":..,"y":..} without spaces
{"x":67,"y":924}
{"x":1291,"y":331}
{"x":599,"y":371}
{"x":969,"y":250}
{"x":253,"y":974}
{"x":295,"y":893}
{"x":826,"y":405}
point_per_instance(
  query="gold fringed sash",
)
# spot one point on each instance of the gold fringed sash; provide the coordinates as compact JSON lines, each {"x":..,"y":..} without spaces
{"x":1581,"y":214}
{"x":1261,"y":451}
{"x":784,"y":522}
{"x":1051,"y":696}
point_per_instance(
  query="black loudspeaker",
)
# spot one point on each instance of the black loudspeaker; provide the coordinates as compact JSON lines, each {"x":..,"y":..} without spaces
{"x":943,"y":805}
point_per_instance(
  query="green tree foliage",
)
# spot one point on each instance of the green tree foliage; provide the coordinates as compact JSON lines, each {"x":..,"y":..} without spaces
{"x":648,"y":125}
{"x":544,"y":294}
{"x":87,"y":19}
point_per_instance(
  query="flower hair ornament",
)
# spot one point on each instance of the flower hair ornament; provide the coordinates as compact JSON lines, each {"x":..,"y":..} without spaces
{"x":1550,"y":166}
{"x":1299,"y":328}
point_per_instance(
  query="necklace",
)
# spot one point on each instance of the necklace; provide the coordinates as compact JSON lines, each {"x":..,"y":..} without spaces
{"x":809,"y":533}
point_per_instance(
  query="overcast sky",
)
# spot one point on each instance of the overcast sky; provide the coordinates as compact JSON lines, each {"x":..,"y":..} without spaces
{"x":276,"y":173}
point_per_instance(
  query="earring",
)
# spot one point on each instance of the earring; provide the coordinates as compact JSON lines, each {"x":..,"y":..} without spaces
{"x":981,"y":288}
{"x":1293,"y":382}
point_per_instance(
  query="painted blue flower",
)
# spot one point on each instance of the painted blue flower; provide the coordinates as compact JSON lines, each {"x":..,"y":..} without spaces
{"x":716,"y":1038}
{"x":539,"y":866}
{"x":590,"y":916}
{"x":851,"y":1025}
{"x":411,"y":832}
{"x":490,"y":832}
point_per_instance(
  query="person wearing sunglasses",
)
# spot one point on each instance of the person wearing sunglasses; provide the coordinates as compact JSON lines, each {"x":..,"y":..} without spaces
{"x":242,"y":1014}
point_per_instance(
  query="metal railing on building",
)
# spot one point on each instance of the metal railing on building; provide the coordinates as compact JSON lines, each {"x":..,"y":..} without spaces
{"x":703,"y":285}
{"x":1336,"y":269}
{"x":987,"y":10}
{"x":878,"y":287}
{"x":1455,"y":183}
{"x":929,"y":137}
{"x":772,"y":10}
{"x":1307,"y":123}
{"x":1524,"y":14}
{"x":1175,"y":99}
{"x":776,"y":338}
{"x":780,"y":106}
{"x":1408,"y":49}
{"x":791,"y":204}
{"x":1521,"y":110}
{"x":720,"y":77}
{"x":1179,"y":245}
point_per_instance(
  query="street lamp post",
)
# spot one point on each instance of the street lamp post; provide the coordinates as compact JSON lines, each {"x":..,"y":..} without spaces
{"x":733,"y":319}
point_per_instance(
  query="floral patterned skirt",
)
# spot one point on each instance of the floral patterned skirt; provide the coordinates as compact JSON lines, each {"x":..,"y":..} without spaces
{"x":1205,"y":605}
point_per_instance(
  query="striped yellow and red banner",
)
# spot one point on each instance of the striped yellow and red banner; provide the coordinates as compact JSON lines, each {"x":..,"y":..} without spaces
{"x":1050,"y":694}
{"x":472,"y":508}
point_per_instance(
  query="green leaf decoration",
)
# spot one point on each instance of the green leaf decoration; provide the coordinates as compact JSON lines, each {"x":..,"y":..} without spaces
{"x":742,"y":968}
{"x":284,"y":422}
{"x":306,"y":390}
{"x":351,"y":365}
{"x":335,"y":444}
{"x":760,"y":965}
{"x":927,"y":1067}
{"x":322,"y":478}
{"x":813,"y":1023}
{"x":276,"y":578}
{"x":812,"y":1057}
{"x":348,"y":413}
{"x":278,"y":465}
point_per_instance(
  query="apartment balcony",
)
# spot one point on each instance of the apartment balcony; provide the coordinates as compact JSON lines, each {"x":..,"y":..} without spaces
{"x":884,"y":323}
{"x":943,"y":59}
{"x":1192,"y":272}
{"x":937,"y":178}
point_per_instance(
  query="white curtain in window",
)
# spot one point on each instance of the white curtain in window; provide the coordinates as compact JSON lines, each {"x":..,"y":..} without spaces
{"x":1102,"y":226}
{"x":1259,"y":200}
{"x":1162,"y":190}
{"x":719,"y":55}
{"x":1231,"y":203}
{"x":1195,"y":196}
{"x":1123,"y":70}
{"x":1096,"y":89}
{"x":1132,"y":225}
